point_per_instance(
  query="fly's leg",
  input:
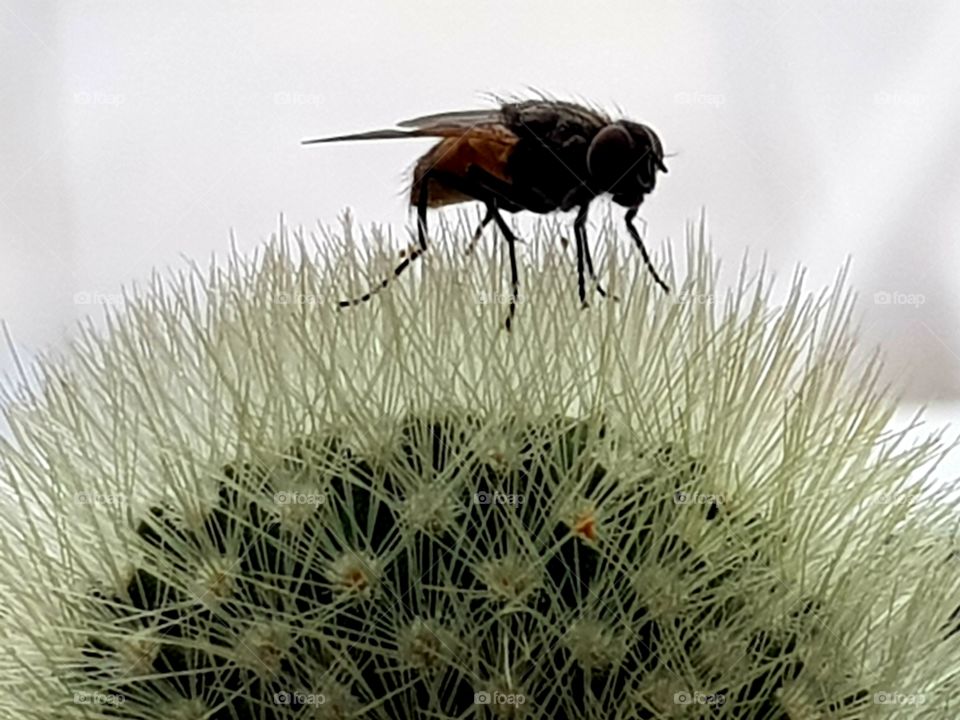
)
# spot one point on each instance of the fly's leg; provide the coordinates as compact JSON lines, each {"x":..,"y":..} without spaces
{"x":593,"y":275}
{"x":581,"y":196}
{"x":628,"y":218}
{"x":583,"y":248}
{"x":473,"y":188}
{"x":499,"y":195}
{"x":514,"y":274}
{"x":479,"y":231}
{"x":580,"y":231}
{"x":415,"y":253}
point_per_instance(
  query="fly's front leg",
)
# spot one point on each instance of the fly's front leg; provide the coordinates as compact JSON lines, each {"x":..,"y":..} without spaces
{"x":628,"y":218}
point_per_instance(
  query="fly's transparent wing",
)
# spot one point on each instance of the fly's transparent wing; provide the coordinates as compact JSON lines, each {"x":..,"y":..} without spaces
{"x":458,"y":118}
{"x":452,"y":124}
{"x":387,"y":134}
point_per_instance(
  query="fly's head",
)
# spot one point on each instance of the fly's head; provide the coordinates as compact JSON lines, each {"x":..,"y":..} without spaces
{"x":623,"y":159}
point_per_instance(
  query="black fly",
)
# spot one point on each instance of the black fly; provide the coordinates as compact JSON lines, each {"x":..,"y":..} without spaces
{"x":536,"y":155}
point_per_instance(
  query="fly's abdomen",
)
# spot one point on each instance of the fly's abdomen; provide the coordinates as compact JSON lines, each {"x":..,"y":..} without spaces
{"x":486,"y":146}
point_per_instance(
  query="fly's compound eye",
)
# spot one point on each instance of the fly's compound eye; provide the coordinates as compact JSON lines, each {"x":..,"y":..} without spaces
{"x":610,"y":156}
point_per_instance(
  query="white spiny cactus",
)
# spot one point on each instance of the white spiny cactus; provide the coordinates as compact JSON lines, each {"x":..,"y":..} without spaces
{"x":238,"y":501}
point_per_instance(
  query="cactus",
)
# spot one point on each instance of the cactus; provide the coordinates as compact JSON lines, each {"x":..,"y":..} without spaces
{"x":238,"y":502}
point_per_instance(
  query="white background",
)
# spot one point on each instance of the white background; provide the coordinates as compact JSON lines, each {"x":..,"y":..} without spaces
{"x":134,"y":133}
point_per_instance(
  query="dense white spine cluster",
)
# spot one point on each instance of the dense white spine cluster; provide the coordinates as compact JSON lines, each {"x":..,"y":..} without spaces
{"x":235,"y":500}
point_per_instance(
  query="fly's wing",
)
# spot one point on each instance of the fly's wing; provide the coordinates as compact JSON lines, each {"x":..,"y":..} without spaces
{"x":440,"y":125}
{"x":544,"y":119}
{"x":369,"y":135}
{"x":457,"y":118}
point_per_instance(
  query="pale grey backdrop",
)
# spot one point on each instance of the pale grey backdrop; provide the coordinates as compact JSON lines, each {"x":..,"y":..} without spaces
{"x":134,"y":133}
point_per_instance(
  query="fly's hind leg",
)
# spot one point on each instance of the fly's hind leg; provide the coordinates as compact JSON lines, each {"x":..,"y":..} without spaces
{"x":415,"y":252}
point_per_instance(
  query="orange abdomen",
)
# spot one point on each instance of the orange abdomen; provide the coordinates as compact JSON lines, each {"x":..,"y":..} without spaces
{"x":486,"y":146}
